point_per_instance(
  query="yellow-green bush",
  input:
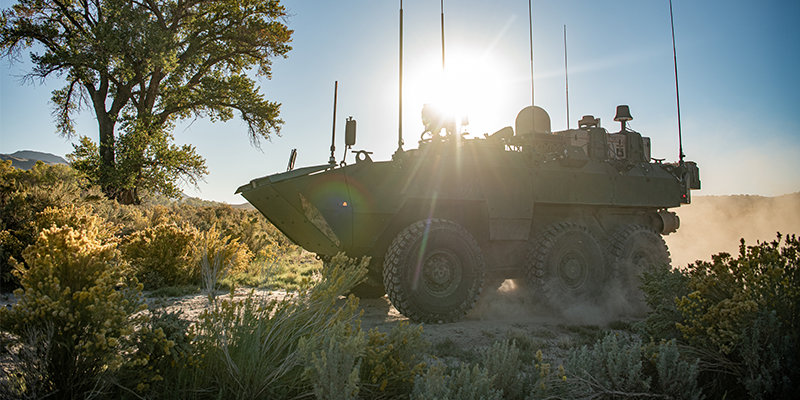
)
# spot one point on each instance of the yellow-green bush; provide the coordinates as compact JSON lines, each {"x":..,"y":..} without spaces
{"x":161,"y":358}
{"x":162,"y":255}
{"x":740,"y":315}
{"x":727,"y":293}
{"x":392,"y":361}
{"x":70,"y":284}
{"x":215,"y":248}
{"x":23,"y":194}
{"x":78,"y":218}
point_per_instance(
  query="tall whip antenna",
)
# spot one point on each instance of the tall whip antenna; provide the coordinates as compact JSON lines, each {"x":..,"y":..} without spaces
{"x":566,"y":73}
{"x":530,"y":32}
{"x":442,"y":8}
{"x":400,"y":116}
{"x":332,"y":160}
{"x":677,"y":93}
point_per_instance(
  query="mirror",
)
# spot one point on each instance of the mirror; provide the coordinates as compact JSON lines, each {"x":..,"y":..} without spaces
{"x":350,"y":132}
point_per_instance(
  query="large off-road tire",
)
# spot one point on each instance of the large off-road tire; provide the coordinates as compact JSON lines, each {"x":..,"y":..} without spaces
{"x":632,"y":250}
{"x":372,"y":287}
{"x":565,"y":266}
{"x":433,"y":271}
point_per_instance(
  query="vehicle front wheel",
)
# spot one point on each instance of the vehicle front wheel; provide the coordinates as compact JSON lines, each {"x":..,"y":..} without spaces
{"x":433,"y":271}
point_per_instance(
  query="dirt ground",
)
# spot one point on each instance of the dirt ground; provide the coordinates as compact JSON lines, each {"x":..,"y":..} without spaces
{"x":509,"y":310}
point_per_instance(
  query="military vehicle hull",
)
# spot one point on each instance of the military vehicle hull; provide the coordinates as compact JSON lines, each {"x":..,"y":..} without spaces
{"x":566,"y":211}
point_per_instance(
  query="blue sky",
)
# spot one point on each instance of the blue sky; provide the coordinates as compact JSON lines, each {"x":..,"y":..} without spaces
{"x":737,"y":63}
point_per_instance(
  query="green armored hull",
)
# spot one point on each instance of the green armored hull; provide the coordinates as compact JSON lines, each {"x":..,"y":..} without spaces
{"x":569,"y":212}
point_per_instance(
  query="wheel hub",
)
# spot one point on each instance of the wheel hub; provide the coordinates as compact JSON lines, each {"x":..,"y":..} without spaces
{"x":442,"y":273}
{"x":573,"y":270}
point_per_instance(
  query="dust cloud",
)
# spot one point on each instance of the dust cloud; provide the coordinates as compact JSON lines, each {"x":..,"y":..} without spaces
{"x":514,"y":301}
{"x":714,"y":224}
{"x":710,"y":225}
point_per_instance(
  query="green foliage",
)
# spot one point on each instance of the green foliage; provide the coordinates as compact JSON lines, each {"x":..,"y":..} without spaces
{"x":333,"y":365}
{"x":145,"y":162}
{"x":727,"y":293}
{"x":502,"y":362}
{"x":738,"y":315}
{"x":24,"y":194}
{"x":527,"y":345}
{"x":217,"y":255}
{"x":163,"y":356}
{"x":467,"y":383}
{"x":25,"y":358}
{"x":612,"y":365}
{"x":675,"y":377}
{"x":392,"y":361}
{"x":661,"y":286}
{"x":162,"y":255}
{"x":69,"y":286}
{"x":769,"y":354}
{"x":169,"y":61}
{"x":251,"y":347}
{"x":448,"y":348}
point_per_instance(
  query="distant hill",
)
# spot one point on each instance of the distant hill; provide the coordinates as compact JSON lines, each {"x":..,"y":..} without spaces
{"x":243,"y":206}
{"x":26,"y":159}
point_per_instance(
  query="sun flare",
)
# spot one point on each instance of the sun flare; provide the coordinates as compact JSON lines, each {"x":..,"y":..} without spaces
{"x":470,"y":89}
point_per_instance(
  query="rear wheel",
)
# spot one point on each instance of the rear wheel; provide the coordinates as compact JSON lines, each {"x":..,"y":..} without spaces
{"x":565,"y":265}
{"x":433,"y":271}
{"x":634,"y":249}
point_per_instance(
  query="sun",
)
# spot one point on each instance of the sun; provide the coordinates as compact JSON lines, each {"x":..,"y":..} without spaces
{"x":472,"y":88}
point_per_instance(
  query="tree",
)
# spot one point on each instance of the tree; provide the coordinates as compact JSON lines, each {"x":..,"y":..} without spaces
{"x":142,"y":65}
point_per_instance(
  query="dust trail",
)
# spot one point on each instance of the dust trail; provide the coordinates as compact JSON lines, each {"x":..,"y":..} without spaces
{"x":512,"y":301}
{"x":713,"y":224}
{"x":515,"y":301}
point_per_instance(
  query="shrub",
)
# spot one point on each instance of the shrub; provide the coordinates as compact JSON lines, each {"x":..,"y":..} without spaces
{"x":24,"y":363}
{"x":675,"y":377}
{"x":333,"y":365}
{"x":727,"y":293}
{"x":392,"y":361}
{"x":23,"y":194}
{"x":738,"y":315}
{"x":502,"y":362}
{"x":448,"y":348}
{"x":434,"y":384}
{"x":611,"y":366}
{"x":251,"y":346}
{"x":661,"y":287}
{"x":69,"y":284}
{"x":466,"y":383}
{"x":163,"y":361}
{"x":162,"y":255}
{"x":769,"y":354}
{"x":216,"y":255}
{"x":527,"y":345}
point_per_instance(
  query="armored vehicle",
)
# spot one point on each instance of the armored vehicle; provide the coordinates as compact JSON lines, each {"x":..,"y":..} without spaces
{"x":568,"y":212}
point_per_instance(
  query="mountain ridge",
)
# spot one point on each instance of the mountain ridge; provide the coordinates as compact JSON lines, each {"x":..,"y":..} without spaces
{"x":26,"y":159}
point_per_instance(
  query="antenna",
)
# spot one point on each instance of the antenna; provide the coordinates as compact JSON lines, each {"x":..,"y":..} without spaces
{"x":566,"y":74}
{"x":533,"y":104}
{"x":677,"y":93}
{"x":400,"y":111}
{"x":332,"y":160}
{"x":442,"y":8}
